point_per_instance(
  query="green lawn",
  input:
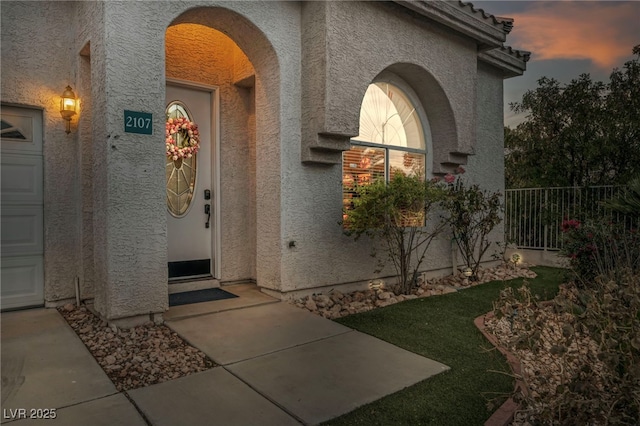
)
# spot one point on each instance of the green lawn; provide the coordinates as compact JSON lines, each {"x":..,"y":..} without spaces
{"x":441,"y":328}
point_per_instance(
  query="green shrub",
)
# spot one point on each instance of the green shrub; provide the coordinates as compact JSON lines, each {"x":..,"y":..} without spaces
{"x":595,"y":381}
{"x":611,"y":315}
{"x":401,"y":214}
{"x":627,"y":202}
{"x":472,"y":215}
{"x":598,"y":248}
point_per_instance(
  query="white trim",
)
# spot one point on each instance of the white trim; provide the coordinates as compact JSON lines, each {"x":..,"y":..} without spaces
{"x":216,"y":239}
{"x":400,"y":83}
{"x":215,"y":134}
{"x":22,"y":263}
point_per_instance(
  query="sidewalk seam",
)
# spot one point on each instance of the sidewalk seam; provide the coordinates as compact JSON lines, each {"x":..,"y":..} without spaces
{"x":138,"y":409}
{"x":274,"y":402}
{"x":178,"y":319}
{"x":350,"y":330}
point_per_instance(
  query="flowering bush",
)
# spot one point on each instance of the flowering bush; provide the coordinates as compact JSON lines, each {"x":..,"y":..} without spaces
{"x":578,"y":247}
{"x":396,"y":213}
{"x":182,"y":138}
{"x":472,"y":215}
{"x":597,"y":248}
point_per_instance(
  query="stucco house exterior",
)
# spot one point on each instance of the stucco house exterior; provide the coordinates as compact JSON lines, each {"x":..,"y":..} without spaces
{"x":276,"y":89}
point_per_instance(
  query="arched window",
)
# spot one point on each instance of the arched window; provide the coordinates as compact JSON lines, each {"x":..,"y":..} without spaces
{"x":394,"y":136}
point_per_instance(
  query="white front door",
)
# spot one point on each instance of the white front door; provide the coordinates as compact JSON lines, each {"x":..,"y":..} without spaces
{"x":190,"y":191}
{"x":22,"y":277}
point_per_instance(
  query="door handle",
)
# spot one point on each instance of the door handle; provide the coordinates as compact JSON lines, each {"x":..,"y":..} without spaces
{"x":207,"y":211}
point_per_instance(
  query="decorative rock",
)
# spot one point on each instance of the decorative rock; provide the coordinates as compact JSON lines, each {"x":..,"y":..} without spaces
{"x":136,"y":357}
{"x":336,"y":296}
{"x":311,"y":305}
{"x":338,"y":304}
{"x":383,"y":295}
{"x":69,"y":307}
{"x":358,"y":296}
{"x":323,"y":301}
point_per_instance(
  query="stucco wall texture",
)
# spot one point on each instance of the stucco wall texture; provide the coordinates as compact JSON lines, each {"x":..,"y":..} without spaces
{"x":291,"y":77}
{"x":36,"y":68}
{"x":215,"y":60}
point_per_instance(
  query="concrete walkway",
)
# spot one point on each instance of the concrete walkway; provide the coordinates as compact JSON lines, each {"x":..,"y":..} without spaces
{"x":279,"y":365}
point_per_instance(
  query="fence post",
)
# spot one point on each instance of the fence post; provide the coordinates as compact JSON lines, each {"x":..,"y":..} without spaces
{"x":546,"y":221}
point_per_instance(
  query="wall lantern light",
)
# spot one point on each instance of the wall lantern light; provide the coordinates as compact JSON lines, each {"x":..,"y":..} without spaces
{"x":68,"y":105}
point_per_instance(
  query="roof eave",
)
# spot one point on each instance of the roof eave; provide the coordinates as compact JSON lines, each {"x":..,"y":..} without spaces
{"x":512,"y":62}
{"x":487,"y":33}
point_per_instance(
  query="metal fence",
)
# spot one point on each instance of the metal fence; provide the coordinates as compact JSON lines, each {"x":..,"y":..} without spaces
{"x":533,"y":216}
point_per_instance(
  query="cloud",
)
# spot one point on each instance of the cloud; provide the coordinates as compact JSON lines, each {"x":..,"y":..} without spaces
{"x":603,"y":32}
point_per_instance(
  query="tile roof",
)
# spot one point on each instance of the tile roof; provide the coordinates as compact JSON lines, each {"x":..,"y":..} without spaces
{"x":498,"y":21}
{"x":520,"y":54}
{"x":505,"y":23}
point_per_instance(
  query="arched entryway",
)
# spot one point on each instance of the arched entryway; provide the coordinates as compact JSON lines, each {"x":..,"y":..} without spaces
{"x":220,"y":68}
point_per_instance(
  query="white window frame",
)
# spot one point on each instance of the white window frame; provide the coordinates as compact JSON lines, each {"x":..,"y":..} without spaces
{"x":397,"y":81}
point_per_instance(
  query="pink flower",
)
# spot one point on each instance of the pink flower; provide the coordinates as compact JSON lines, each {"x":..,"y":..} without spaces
{"x":189,"y":134}
{"x":460,"y":170}
{"x":568,"y":225}
{"x":449,"y":178}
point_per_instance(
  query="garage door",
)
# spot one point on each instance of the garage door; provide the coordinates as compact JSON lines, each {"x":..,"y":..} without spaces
{"x":22,"y":208}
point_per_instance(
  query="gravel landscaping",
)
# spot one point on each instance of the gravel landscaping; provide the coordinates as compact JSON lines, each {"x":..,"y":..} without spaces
{"x":137,"y":357}
{"x":336,"y":304}
{"x":550,"y":347}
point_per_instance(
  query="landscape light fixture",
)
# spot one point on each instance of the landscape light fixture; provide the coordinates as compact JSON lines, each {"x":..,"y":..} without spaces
{"x":376,"y":284}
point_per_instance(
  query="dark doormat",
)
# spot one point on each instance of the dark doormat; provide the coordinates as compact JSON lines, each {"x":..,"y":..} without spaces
{"x":197,"y":296}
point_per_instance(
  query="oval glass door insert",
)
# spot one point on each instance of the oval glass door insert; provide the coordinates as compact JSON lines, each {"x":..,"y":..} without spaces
{"x":181,"y":172}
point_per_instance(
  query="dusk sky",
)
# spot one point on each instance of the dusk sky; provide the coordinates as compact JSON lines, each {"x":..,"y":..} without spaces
{"x":566,"y":38}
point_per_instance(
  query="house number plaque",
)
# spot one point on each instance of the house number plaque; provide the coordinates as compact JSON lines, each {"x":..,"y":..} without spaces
{"x":138,"y":122}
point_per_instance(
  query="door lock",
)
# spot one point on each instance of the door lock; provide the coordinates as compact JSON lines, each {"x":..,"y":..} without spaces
{"x":207,"y":194}
{"x":207,"y":211}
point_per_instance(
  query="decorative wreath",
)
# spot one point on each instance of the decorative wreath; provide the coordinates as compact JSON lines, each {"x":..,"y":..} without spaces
{"x":182,"y":138}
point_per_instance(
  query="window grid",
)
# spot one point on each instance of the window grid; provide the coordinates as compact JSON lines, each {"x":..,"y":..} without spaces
{"x":361,"y":164}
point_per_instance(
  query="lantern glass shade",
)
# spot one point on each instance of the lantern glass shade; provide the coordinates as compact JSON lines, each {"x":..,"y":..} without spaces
{"x":68,"y":104}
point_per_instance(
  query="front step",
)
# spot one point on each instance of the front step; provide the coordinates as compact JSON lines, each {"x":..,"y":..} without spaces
{"x":184,"y":286}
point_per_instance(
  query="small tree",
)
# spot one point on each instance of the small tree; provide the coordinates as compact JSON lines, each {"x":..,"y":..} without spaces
{"x":582,"y":133}
{"x":473,"y":213}
{"x":396,"y":213}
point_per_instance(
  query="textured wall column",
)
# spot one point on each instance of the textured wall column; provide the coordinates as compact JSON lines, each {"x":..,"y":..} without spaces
{"x":38,"y":61}
{"x":129,"y":181}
